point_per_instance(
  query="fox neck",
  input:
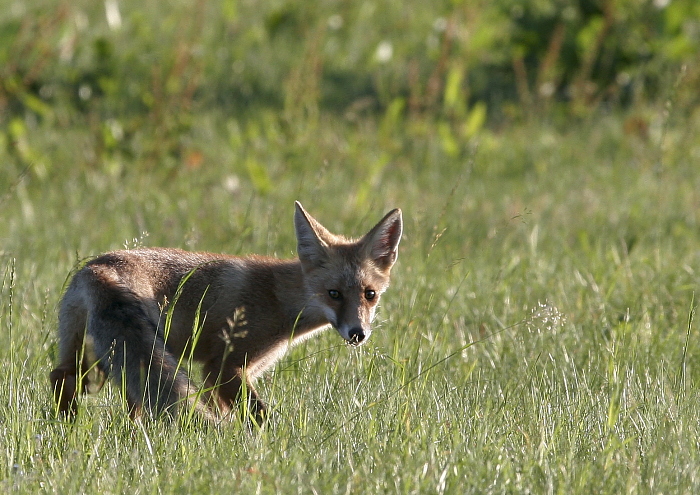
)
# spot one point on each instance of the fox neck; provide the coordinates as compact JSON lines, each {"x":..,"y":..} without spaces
{"x":303,"y":315}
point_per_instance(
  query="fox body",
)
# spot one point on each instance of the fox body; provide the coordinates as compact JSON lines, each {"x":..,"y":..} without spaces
{"x":146,"y":312}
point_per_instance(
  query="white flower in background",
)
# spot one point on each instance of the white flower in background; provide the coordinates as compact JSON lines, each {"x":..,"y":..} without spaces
{"x":114,"y":17}
{"x":385,"y":51}
{"x":335,"y":22}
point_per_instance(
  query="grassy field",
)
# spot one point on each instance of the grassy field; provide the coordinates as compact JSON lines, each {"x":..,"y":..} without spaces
{"x":539,"y":333}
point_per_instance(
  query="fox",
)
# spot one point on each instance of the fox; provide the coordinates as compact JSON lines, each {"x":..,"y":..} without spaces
{"x":139,"y":316}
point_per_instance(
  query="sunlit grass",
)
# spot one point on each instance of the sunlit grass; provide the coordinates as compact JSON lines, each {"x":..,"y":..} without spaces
{"x":537,"y":336}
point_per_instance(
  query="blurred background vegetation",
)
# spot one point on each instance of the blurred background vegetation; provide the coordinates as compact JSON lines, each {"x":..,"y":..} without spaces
{"x":139,"y":82}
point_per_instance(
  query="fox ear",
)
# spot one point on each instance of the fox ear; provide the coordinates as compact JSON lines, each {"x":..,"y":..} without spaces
{"x":383,"y":240}
{"x":312,"y":237}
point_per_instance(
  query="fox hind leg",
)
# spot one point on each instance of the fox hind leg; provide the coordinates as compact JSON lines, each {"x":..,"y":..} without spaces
{"x":122,"y":328}
{"x":69,"y":379}
{"x":135,"y":357}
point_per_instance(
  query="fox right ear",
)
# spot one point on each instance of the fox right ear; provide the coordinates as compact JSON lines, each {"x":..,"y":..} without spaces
{"x":383,"y":240}
{"x":312,"y":237}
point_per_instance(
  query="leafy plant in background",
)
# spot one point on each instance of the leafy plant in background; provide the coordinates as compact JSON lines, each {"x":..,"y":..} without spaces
{"x":133,"y":74}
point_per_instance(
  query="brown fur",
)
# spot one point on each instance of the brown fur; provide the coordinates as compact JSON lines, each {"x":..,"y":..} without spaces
{"x":138,"y":309}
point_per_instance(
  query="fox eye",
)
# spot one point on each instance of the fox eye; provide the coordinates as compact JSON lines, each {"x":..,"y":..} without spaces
{"x":334,"y":294}
{"x":370,"y":294}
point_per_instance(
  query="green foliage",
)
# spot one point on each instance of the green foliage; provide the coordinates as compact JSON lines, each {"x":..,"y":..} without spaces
{"x":130,"y":58}
{"x":132,"y":77}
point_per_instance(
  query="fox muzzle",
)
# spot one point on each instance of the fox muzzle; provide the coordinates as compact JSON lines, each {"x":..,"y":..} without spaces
{"x":357,"y":336}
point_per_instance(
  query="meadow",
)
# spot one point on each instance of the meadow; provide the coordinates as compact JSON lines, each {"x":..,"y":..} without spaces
{"x":538,"y":335}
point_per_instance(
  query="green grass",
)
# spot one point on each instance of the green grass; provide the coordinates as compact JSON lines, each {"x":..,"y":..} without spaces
{"x":538,"y":335}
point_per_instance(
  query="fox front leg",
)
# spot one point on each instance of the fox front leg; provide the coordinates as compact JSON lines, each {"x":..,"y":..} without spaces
{"x":226,"y":389}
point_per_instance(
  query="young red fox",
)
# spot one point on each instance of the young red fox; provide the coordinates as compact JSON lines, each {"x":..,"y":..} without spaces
{"x":146,"y":312}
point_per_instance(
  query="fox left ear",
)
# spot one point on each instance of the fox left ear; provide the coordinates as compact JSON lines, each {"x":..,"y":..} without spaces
{"x":312,"y":237}
{"x":383,"y":240}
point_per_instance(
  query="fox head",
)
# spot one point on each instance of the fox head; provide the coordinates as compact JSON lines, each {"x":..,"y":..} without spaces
{"x":345,"y":278}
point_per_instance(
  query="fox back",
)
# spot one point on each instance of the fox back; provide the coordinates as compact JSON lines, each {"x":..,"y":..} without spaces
{"x":145,"y":312}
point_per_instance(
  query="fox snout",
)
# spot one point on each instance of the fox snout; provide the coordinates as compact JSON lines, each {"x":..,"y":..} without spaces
{"x":354,"y":335}
{"x":357,"y":336}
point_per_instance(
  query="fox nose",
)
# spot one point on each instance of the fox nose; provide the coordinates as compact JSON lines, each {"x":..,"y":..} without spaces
{"x":357,"y":335}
